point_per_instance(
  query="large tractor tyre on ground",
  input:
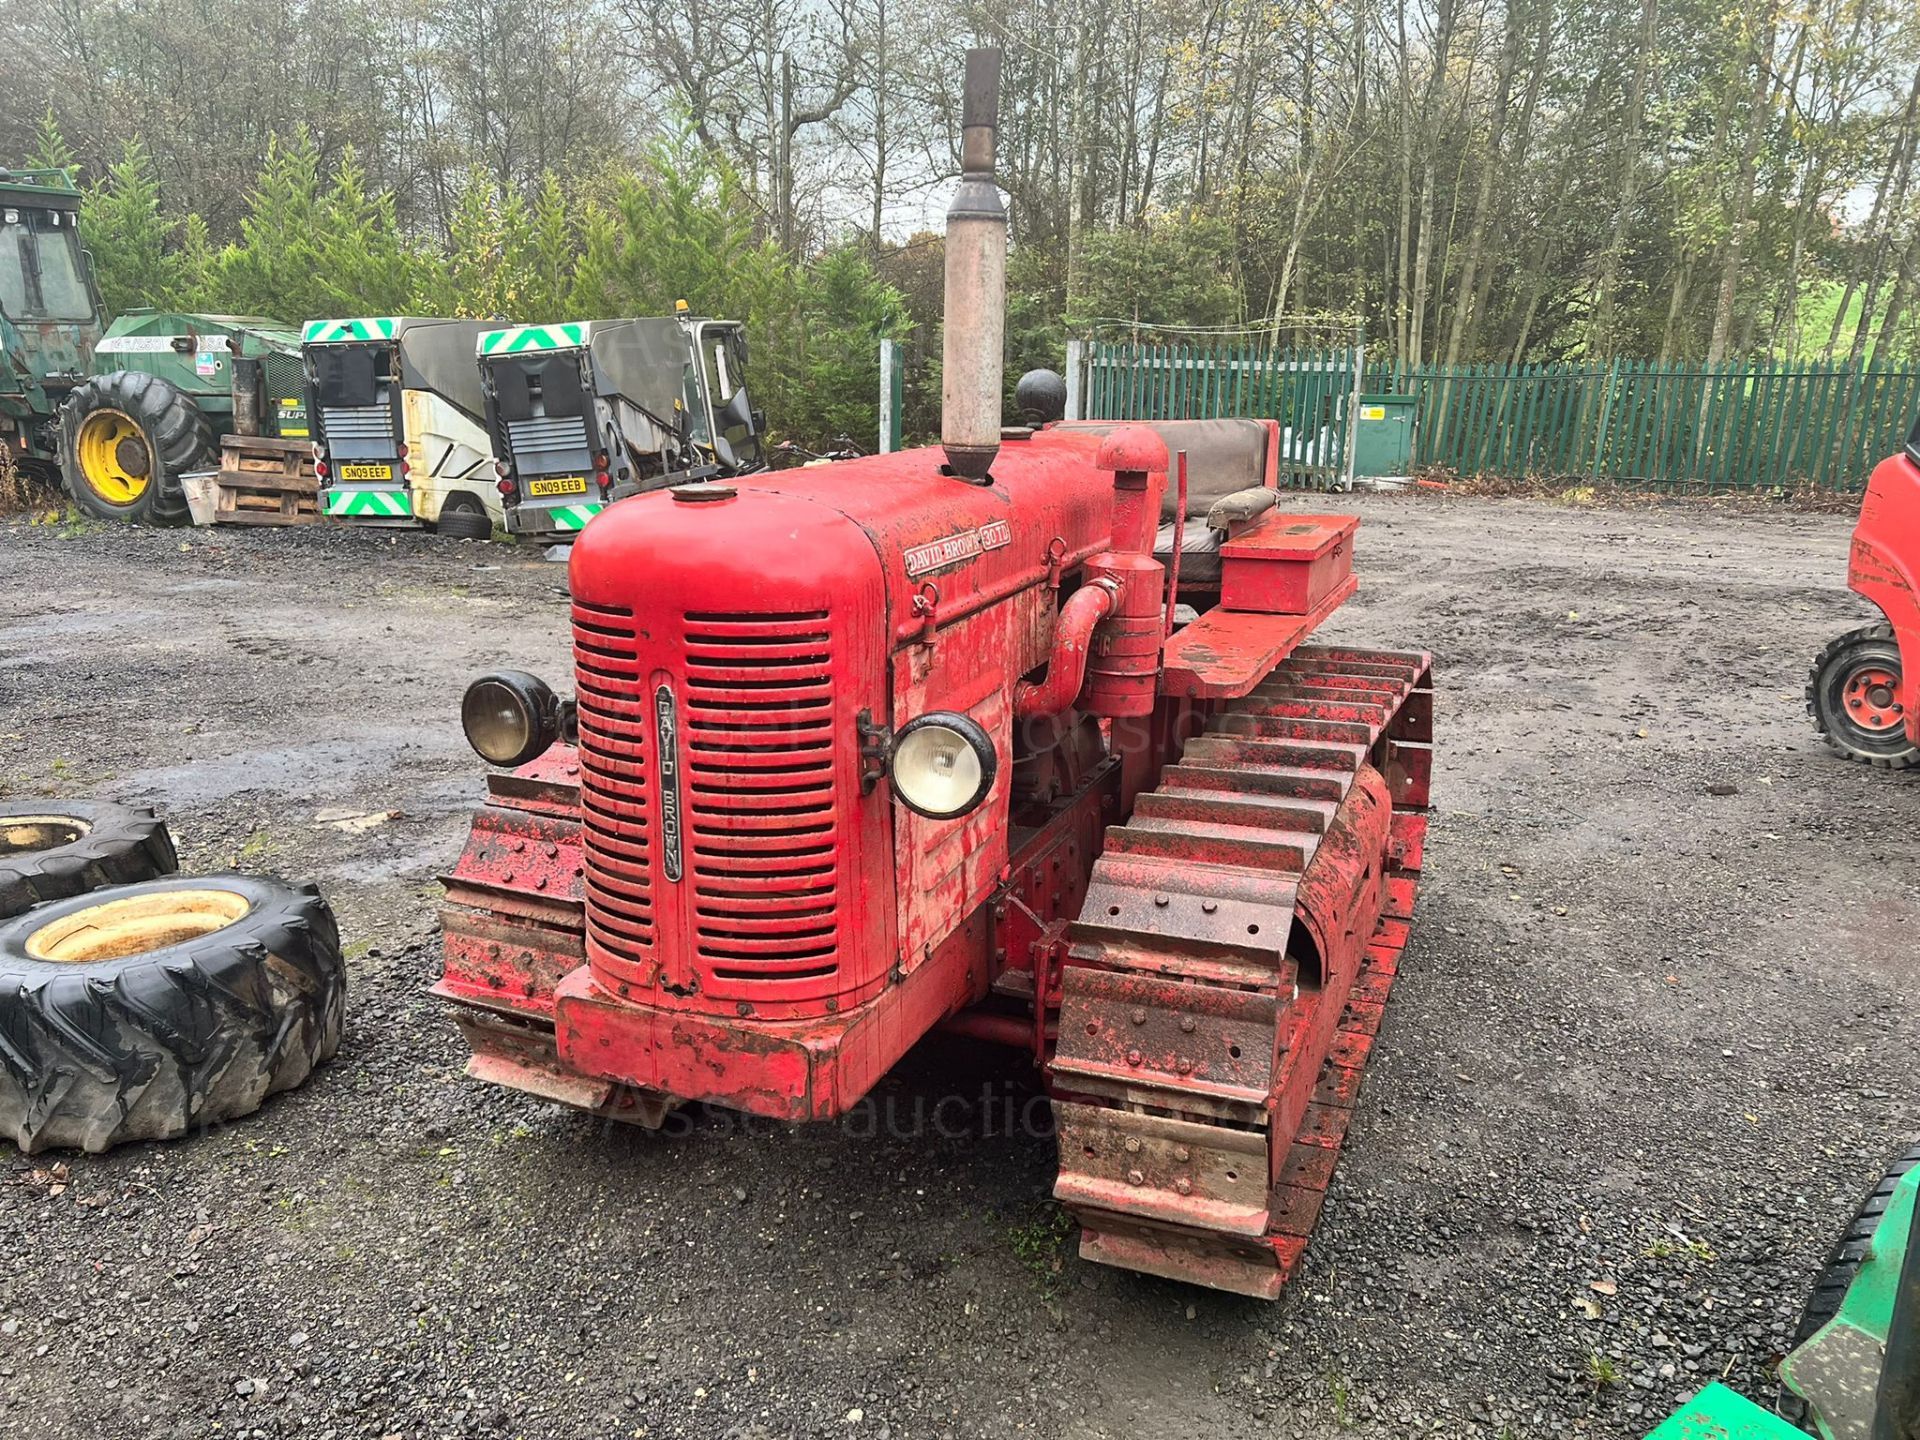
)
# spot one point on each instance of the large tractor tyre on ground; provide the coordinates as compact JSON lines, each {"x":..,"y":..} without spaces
{"x":1853,"y":697}
{"x":125,"y":441}
{"x":1843,"y":1264}
{"x":464,"y":522}
{"x":141,"y":1012}
{"x":54,"y":849}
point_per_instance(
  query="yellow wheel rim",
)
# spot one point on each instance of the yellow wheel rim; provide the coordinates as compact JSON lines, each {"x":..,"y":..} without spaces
{"x":115,"y":459}
{"x":117,"y":928}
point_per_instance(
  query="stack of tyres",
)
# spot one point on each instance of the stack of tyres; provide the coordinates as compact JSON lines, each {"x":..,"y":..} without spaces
{"x":140,"y":1004}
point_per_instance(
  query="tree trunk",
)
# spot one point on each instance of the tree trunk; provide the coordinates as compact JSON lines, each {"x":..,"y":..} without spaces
{"x":1744,"y":186}
{"x":1483,"y":195}
{"x":1603,"y":340}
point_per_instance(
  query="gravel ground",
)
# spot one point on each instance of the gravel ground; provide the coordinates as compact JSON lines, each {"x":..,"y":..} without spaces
{"x":1644,"y":1055}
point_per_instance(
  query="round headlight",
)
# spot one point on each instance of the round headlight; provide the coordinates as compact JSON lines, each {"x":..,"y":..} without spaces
{"x":943,"y":765}
{"x":510,"y":717}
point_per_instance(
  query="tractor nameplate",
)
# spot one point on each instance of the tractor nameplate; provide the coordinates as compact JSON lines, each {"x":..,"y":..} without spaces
{"x":666,"y":738}
{"x":953,"y":549}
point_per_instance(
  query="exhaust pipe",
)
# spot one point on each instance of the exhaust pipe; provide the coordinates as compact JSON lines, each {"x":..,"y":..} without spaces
{"x":976,"y":293}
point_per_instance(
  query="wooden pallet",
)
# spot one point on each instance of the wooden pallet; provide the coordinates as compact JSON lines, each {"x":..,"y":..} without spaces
{"x":266,"y":481}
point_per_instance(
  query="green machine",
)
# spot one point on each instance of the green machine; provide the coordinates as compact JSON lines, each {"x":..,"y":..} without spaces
{"x":120,"y":411}
{"x":1854,"y":1370}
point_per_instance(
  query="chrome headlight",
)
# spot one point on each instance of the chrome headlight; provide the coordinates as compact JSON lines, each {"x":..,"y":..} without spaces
{"x":510,"y":717}
{"x":943,"y":764}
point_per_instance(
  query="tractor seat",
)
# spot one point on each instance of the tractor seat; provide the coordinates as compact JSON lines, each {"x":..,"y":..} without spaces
{"x":1201,"y":537}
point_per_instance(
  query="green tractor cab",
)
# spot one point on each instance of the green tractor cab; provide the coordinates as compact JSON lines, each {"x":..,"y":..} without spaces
{"x":582,"y":413}
{"x":50,"y":318}
{"x":399,"y":423}
{"x":120,"y":411}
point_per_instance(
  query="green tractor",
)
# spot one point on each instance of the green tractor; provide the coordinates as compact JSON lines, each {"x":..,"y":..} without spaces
{"x":120,"y":411}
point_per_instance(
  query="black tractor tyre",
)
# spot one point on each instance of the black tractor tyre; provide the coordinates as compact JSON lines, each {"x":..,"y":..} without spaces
{"x":52,"y":849}
{"x":464,"y":522}
{"x":1843,"y":1264}
{"x":1869,"y":647}
{"x":142,"y":1012}
{"x":176,"y":435}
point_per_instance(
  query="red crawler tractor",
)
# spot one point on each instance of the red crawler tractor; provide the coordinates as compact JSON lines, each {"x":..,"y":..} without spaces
{"x":918,"y":741}
{"x":1864,"y":692}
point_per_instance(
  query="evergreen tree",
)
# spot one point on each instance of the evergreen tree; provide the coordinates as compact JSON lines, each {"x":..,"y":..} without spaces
{"x":120,"y":222}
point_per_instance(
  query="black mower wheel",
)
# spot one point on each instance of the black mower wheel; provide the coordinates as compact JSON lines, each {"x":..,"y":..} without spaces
{"x":464,"y":522}
{"x":125,"y":441}
{"x":1843,"y":1264}
{"x":1852,"y":695}
{"x":142,"y":1012}
{"x":52,"y":849}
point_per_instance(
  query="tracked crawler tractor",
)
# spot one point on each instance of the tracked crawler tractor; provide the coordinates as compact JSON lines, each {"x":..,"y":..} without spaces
{"x":929,"y":740}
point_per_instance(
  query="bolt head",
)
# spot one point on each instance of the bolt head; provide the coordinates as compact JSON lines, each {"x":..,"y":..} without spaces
{"x":1207,"y":907}
{"x":1139,"y":1017}
{"x":1135,"y":1177}
{"x":1133,"y":1057}
{"x":1163,"y":901}
{"x":1133,"y":1145}
{"x":1188,"y":1024}
{"x":1184,"y":1186}
{"x":1181,"y":1153}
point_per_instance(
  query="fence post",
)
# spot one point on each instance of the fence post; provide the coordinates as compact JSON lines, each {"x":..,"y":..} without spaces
{"x":892,"y":393}
{"x":1353,"y":410}
{"x":1076,"y":366}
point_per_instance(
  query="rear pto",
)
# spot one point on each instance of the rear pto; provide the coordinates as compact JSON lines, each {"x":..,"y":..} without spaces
{"x":915,"y":741}
{"x":1864,"y":692}
{"x":583,"y":413}
{"x":399,"y":424}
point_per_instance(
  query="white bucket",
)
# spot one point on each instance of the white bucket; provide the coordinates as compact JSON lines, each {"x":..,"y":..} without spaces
{"x":202,"y":489}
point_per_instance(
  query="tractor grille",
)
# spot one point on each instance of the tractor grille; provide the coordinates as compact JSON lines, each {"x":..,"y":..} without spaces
{"x":363,"y":432}
{"x":549,"y":446}
{"x":760,"y":797}
{"x":615,"y":735}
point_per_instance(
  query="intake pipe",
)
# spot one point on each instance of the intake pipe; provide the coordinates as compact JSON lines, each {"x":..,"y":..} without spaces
{"x":976,"y":292}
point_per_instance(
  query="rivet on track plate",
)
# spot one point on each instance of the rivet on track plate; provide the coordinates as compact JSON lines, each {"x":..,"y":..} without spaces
{"x":551,"y":849}
{"x":1139,"y":1017}
{"x":509,"y":877}
{"x":1180,"y":1152}
{"x":1185,"y":1187}
{"x":1163,"y":900}
{"x":1133,"y":1145}
{"x":540,"y":883}
{"x":1134,"y":1177}
{"x":1133,"y":1057}
{"x":1185,"y":1066}
{"x":519,"y":847}
{"x":1188,"y":1024}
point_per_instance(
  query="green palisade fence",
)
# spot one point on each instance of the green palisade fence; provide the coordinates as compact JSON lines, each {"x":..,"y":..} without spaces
{"x":1742,"y":425}
{"x":1307,"y":392}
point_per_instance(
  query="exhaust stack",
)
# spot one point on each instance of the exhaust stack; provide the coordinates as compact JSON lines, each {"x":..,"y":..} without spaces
{"x":976,"y":291}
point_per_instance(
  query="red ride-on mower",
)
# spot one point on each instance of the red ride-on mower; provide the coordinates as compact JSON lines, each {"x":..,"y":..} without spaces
{"x":1864,"y":692}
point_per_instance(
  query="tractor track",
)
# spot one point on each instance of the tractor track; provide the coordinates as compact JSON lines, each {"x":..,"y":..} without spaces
{"x":1230,"y":969}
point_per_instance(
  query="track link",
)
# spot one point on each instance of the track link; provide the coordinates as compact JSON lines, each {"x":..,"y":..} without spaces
{"x":1227,"y":974}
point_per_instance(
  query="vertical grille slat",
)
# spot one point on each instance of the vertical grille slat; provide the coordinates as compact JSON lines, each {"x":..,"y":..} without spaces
{"x":616,"y":795}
